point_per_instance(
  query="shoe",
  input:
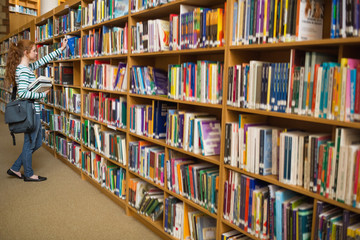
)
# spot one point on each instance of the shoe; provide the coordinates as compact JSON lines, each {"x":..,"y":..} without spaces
{"x":27,"y":179}
{"x":11,"y":173}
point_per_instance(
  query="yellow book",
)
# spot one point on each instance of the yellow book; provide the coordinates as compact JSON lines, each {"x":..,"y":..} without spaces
{"x":210,"y":82}
{"x":285,"y":17}
{"x":220,"y":32}
{"x":335,"y":96}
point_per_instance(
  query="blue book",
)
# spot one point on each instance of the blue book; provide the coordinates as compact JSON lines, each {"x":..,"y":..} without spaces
{"x":352,"y":90}
{"x":161,"y":109}
{"x":267,"y":149}
{"x":280,"y":196}
{"x":166,"y":215}
{"x":121,"y":8}
{"x":117,"y":190}
{"x":324,"y":86}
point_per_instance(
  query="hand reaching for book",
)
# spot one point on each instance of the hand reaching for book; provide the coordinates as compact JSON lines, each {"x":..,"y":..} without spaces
{"x":64,"y":44}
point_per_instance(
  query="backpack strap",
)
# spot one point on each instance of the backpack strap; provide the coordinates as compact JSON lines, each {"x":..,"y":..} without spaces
{"x":13,"y":137}
{"x":13,"y":94}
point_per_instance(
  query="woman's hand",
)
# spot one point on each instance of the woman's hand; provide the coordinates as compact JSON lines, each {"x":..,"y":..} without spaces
{"x":64,"y":44}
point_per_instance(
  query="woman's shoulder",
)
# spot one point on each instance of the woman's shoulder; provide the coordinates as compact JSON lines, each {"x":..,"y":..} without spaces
{"x":22,"y":69}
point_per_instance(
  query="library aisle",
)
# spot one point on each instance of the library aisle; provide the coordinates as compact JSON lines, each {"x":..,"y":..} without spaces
{"x":63,"y":207}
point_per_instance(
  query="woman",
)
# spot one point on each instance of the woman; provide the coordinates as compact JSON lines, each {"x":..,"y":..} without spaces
{"x":20,"y":72}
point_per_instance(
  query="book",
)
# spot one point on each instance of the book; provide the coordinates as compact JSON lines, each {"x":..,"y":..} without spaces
{"x":41,"y":84}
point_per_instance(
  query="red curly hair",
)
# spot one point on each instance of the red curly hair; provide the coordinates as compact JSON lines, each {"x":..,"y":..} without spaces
{"x":16,"y":52}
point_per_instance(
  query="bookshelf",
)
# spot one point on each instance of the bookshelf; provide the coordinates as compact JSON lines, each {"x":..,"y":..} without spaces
{"x":229,"y":54}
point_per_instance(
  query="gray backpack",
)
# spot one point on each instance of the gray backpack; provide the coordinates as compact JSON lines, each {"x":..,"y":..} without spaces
{"x":20,"y":115}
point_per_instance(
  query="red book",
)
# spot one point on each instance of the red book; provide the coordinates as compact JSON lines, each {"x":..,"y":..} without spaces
{"x":356,"y":177}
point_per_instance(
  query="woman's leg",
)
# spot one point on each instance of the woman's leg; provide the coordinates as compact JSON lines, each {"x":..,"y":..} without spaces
{"x":38,"y":138}
{"x":29,"y":148}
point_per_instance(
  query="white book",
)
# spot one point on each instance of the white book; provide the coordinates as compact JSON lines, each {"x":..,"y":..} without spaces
{"x":350,"y":175}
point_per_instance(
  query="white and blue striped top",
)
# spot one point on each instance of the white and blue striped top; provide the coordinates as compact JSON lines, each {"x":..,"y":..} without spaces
{"x":25,"y":75}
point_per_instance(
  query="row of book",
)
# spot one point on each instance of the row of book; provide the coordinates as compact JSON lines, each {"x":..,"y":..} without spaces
{"x":199,"y":27}
{"x":44,"y":49}
{"x":150,"y":120}
{"x":195,"y":181}
{"x":270,"y":21}
{"x":68,"y":149}
{"x":103,"y":75}
{"x":22,"y":9}
{"x":48,"y":137}
{"x":99,"y":11}
{"x":345,"y":19}
{"x":266,"y":211}
{"x":148,"y":80}
{"x":110,"y":177}
{"x":147,"y":160}
{"x":47,"y":71}
{"x":68,"y":99}
{"x":195,"y":132}
{"x":45,"y":31}
{"x":109,"y":143}
{"x":183,"y":222}
{"x":25,"y":35}
{"x":105,"y":41}
{"x":136,"y":6}
{"x":146,"y":199}
{"x":106,"y":109}
{"x":193,"y":28}
{"x":200,"y":82}
{"x":311,"y":84}
{"x":298,"y":158}
{"x":63,"y":74}
{"x":69,"y":22}
{"x":70,"y":126}
{"x":45,"y":114}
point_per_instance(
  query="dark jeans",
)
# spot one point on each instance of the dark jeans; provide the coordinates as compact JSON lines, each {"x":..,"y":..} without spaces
{"x":25,"y":157}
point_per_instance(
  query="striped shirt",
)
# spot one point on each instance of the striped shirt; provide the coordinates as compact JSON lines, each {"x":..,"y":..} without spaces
{"x":25,"y":75}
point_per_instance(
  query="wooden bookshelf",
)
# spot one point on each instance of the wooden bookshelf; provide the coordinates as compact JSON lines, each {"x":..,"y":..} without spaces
{"x":230,"y":55}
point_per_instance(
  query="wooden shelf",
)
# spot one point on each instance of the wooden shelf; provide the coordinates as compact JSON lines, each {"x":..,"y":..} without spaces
{"x":238,"y":229}
{"x":206,"y":51}
{"x":297,"y":117}
{"x":120,"y":56}
{"x":113,"y":22}
{"x":77,"y":32}
{"x":323,"y":43}
{"x":104,"y":91}
{"x":154,"y":97}
{"x":46,"y":41}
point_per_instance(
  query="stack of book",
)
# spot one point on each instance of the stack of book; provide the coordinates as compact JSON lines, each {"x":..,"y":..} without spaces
{"x":147,"y":200}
